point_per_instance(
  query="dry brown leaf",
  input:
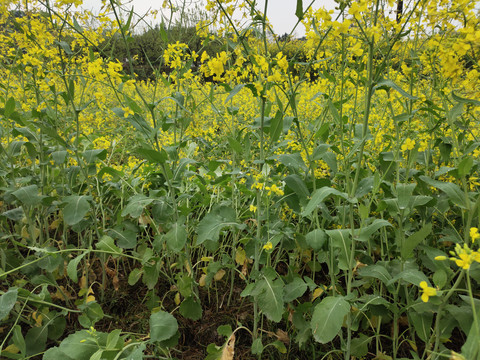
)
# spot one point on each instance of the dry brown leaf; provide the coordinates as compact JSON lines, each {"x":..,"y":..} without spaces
{"x":219,"y":275}
{"x":229,"y":349}
{"x":116,"y":283}
{"x":282,"y":336}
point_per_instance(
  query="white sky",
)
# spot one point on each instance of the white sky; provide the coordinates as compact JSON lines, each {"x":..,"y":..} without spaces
{"x":281,"y":13}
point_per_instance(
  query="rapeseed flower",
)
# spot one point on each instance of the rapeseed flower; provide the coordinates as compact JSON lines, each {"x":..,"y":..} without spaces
{"x":427,"y":291}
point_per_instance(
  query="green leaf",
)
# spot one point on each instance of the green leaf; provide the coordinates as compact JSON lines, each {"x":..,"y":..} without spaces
{"x":319,"y":196}
{"x":76,"y":209}
{"x":18,"y":339}
{"x":376,"y":271}
{"x":327,"y":318}
{"x":235,"y":145}
{"x":257,"y":347}
{"x":369,"y":230}
{"x":316,"y":239}
{"x":134,"y":276}
{"x":465,"y":100}
{"x":162,"y":326}
{"x":341,"y":240}
{"x":299,"y":10}
{"x":293,"y":161}
{"x":28,"y":195}
{"x":176,"y":238}
{"x":385,"y":84}
{"x":153,"y":156}
{"x":411,"y":276}
{"x":414,"y":240}
{"x":106,"y":243}
{"x":210,"y":226}
{"x":453,"y":191}
{"x":297,"y":184}
{"x":72,"y":267}
{"x":9,"y":107}
{"x":78,"y":346}
{"x":93,"y":155}
{"x":7,"y":301}
{"x":359,"y":346}
{"x":471,"y":348}
{"x":234,"y":92}
{"x":465,"y":166}
{"x":269,"y":295}
{"x":422,"y":322}
{"x":276,"y":127}
{"x":191,"y":309}
{"x":126,"y":238}
{"x":294,"y":289}
{"x":36,"y":340}
{"x":136,"y":205}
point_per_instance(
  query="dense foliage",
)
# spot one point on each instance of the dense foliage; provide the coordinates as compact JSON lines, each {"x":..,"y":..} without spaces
{"x":198,"y":191}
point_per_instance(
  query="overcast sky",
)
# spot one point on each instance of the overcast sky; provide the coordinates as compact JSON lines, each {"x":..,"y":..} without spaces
{"x":281,"y":13}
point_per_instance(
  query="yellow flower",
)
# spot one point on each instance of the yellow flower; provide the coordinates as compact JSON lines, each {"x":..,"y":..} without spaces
{"x":408,"y":145}
{"x":427,"y":291}
{"x":127,"y":112}
{"x":474,"y":234}
{"x":268,"y":246}
{"x":253,"y":208}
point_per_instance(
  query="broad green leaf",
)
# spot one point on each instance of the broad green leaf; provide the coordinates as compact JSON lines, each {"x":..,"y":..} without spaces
{"x":176,"y":238}
{"x":369,"y":230}
{"x":404,"y":194}
{"x":16,"y":214}
{"x":137,"y":354}
{"x":7,"y":301}
{"x":471,"y":347}
{"x":28,"y":195}
{"x":18,"y":339}
{"x":94,"y":155}
{"x":316,"y":239}
{"x":257,"y":347}
{"x":270,"y":298}
{"x":235,"y":145}
{"x":411,"y":276}
{"x":210,"y":226}
{"x":376,"y":271}
{"x":153,"y":156}
{"x":77,"y":346}
{"x":453,"y":191}
{"x":76,"y":209}
{"x":134,"y":276}
{"x":36,"y":340}
{"x":422,"y":322}
{"x":293,"y":161}
{"x":414,"y":240}
{"x":327,"y":318}
{"x":72,"y":267}
{"x":297,"y":184}
{"x":136,"y":205}
{"x":319,"y":196}
{"x":294,"y":289}
{"x":126,"y":238}
{"x":106,"y":243}
{"x":191,"y":309}
{"x":162,"y":326}
{"x":359,"y":346}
